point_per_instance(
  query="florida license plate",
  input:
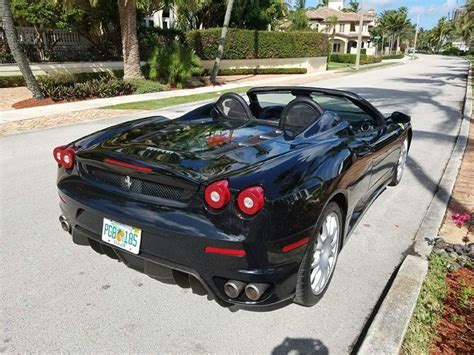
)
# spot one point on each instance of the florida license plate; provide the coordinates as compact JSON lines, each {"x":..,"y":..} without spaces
{"x":121,"y":235}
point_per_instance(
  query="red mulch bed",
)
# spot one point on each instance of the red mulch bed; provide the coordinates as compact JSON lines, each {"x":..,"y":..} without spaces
{"x":456,"y":328}
{"x":33,"y":103}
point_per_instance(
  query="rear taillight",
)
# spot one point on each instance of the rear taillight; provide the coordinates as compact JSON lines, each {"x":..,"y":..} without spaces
{"x":217,"y":194}
{"x":58,"y":153}
{"x":251,"y":200}
{"x":64,"y":156}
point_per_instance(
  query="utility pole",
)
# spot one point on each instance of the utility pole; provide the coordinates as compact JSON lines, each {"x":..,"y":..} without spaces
{"x":359,"y":37}
{"x":416,"y":33}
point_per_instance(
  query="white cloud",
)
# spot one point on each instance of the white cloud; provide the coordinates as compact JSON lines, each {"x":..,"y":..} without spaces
{"x":437,"y":9}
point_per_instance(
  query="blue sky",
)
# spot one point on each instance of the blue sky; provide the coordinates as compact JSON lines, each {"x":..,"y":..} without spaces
{"x":430,"y":11}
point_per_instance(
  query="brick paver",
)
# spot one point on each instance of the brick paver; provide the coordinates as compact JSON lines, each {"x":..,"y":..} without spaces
{"x":462,"y":198}
{"x":60,"y":120}
{"x":8,"y":96}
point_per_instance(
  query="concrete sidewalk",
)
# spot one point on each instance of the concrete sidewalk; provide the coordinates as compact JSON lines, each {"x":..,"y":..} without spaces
{"x":295,"y":79}
{"x":33,"y":112}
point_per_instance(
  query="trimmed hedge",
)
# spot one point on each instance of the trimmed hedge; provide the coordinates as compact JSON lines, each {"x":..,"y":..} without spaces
{"x":351,"y":58}
{"x":248,"y":44}
{"x":10,"y":81}
{"x":346,"y":58}
{"x":393,"y":56}
{"x":255,"y":71}
{"x":370,"y":59}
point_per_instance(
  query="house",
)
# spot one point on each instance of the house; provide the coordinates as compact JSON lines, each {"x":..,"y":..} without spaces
{"x":165,"y":18}
{"x":347,"y":28}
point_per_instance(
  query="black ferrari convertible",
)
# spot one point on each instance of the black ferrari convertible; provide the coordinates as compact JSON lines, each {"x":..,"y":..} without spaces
{"x":248,"y":201}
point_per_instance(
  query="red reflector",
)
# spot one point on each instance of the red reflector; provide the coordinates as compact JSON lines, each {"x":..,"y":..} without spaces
{"x":295,"y":245}
{"x":128,"y":165}
{"x":225,"y":251}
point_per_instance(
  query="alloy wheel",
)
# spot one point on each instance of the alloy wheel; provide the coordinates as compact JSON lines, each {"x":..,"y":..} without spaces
{"x":325,"y":253}
{"x":402,"y":160}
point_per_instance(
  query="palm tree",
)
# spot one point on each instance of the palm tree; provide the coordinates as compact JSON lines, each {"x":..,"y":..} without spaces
{"x":220,"y":49}
{"x":17,"y":52}
{"x":441,"y":31}
{"x":323,"y":3}
{"x":465,"y":23}
{"x":331,"y":23}
{"x":353,"y":6}
{"x":128,"y":29}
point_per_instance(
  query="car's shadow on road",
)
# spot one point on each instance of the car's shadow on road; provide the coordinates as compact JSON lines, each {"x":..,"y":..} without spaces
{"x":301,"y":346}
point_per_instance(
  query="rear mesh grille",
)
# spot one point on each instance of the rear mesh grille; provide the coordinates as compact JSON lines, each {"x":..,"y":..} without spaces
{"x":132,"y":184}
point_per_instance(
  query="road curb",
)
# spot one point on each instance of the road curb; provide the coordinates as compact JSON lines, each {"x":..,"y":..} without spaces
{"x":387,"y":331}
{"x":433,"y":219}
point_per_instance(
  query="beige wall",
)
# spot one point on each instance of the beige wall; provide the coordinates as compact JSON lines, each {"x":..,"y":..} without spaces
{"x":312,"y":64}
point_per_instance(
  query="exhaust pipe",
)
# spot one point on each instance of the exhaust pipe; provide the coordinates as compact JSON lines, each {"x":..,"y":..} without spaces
{"x":233,"y":288}
{"x":64,"y":224}
{"x":255,"y":291}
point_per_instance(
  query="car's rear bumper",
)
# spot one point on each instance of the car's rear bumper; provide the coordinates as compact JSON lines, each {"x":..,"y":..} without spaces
{"x":179,"y":256}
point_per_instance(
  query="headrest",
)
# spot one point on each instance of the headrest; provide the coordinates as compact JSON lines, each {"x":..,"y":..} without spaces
{"x":232,"y":106}
{"x":299,"y":114}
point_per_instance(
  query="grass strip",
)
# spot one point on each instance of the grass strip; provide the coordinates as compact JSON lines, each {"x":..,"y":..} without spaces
{"x":364,"y":67}
{"x":429,"y":308}
{"x":172,"y":101}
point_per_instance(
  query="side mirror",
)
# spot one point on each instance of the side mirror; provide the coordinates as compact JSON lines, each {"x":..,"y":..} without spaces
{"x":398,"y":117}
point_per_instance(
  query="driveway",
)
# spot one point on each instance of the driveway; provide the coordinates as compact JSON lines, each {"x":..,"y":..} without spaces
{"x":56,"y":296}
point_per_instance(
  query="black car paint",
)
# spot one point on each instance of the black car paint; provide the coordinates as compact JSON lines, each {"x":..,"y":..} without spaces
{"x":299,"y":175}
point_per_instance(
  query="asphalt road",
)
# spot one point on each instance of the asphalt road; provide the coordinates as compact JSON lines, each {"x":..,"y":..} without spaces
{"x":56,"y":296}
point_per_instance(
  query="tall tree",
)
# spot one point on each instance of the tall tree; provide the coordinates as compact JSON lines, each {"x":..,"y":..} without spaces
{"x":465,"y":23}
{"x":18,"y":55}
{"x":354,"y":6}
{"x":220,"y":49}
{"x":128,"y":30}
{"x":331,"y":23}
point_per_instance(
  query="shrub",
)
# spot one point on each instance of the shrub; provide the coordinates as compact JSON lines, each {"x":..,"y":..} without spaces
{"x":61,"y":87}
{"x":154,"y":37}
{"x":11,"y":81}
{"x":248,"y":44}
{"x":17,"y":80}
{"x":346,"y":58}
{"x":175,"y":64}
{"x":255,"y":71}
{"x":142,"y":86}
{"x":394,"y":56}
{"x":370,"y":59}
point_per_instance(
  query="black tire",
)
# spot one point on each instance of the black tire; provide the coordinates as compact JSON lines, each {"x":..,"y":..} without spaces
{"x":304,"y":294}
{"x":397,"y":175}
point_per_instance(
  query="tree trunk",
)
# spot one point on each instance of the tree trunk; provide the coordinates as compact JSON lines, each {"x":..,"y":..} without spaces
{"x":398,"y":44}
{"x":220,"y":50}
{"x":130,"y":49}
{"x":17,"y":52}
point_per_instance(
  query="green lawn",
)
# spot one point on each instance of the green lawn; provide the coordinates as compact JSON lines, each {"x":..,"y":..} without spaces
{"x":179,"y":100}
{"x":429,"y":308}
{"x":172,"y":101}
{"x":334,"y":65}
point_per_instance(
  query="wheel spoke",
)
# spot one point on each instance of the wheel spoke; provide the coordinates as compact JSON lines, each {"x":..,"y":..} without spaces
{"x":325,"y":253}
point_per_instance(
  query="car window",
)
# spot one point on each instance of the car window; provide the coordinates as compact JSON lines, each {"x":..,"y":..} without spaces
{"x":274,"y":98}
{"x":358,"y":118}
